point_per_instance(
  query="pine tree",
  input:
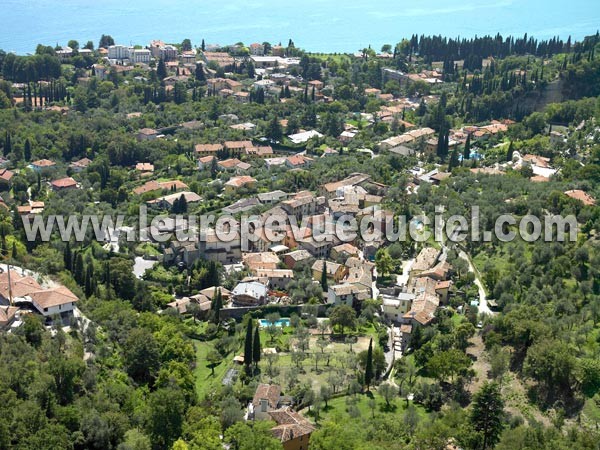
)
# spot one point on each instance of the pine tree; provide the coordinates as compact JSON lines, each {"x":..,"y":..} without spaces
{"x":256,"y":347}
{"x":248,"y":344}
{"x":467,"y":151}
{"x":324,"y":286}
{"x":487,"y":415}
{"x":369,"y":365}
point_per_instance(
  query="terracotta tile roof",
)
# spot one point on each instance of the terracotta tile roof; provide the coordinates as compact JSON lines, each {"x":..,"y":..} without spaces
{"x":332,"y":267}
{"x":153,"y":185}
{"x":298,"y":160}
{"x":238,"y":144}
{"x":229,"y":163}
{"x":582,"y":196}
{"x":53,"y":297}
{"x":7,"y":313}
{"x":290,"y":425}
{"x":240,"y":181}
{"x":539,"y":179}
{"x":144,"y":167}
{"x":20,"y":286}
{"x":64,"y":183}
{"x":83,"y":163}
{"x":259,"y":151}
{"x":6,"y":175}
{"x":537,"y":160}
{"x":43,"y":163}
{"x":270,"y":392}
{"x":208,"y":148}
{"x":443,"y":284}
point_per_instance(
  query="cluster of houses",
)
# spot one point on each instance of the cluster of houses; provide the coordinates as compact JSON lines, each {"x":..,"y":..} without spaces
{"x":413,"y":303}
{"x":270,"y":258}
{"x":21,"y":293}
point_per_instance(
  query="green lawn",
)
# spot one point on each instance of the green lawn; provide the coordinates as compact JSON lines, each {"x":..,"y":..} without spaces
{"x":205,"y":381}
{"x":340,"y":406}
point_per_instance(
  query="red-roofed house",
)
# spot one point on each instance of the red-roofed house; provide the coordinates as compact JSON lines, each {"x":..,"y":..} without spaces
{"x":42,"y":164}
{"x":64,"y":184}
{"x":5,"y":176}
{"x":582,"y":196}
{"x":237,"y":182}
{"x":145,"y":168}
{"x":298,"y":161}
{"x":207,"y":149}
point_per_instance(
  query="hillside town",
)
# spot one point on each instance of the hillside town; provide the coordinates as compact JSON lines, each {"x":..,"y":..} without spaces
{"x":223,"y":298}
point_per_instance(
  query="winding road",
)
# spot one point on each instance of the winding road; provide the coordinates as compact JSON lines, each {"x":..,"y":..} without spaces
{"x":483,"y":305}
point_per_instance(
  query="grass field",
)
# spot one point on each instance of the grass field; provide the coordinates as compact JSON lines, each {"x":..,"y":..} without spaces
{"x":348,"y":406}
{"x":205,"y":381}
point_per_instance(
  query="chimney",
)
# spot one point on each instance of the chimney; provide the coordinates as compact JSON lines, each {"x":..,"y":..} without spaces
{"x":264,"y":405}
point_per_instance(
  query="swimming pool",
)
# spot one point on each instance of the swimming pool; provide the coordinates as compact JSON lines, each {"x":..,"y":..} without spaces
{"x":278,"y":323}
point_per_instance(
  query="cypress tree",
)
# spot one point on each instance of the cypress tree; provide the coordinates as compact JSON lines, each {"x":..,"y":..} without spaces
{"x":324,"y":277}
{"x":453,"y":160}
{"x":14,"y":250}
{"x":467,"y":151}
{"x":27,"y":150}
{"x":218,"y":304}
{"x":440,"y":145}
{"x":161,"y":70}
{"x":68,"y":256}
{"x":256,"y":347}
{"x":183,"y":204}
{"x":509,"y":153}
{"x":248,"y":345}
{"x":7,"y":144}
{"x":369,"y":365}
{"x":89,"y":282}
{"x":78,"y":270}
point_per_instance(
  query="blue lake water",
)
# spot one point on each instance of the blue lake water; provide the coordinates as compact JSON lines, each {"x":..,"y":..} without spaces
{"x":315,"y":25}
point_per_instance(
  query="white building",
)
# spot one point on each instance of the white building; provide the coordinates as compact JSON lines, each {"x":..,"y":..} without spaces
{"x":300,"y":138}
{"x":118,"y":52}
{"x":140,"y":55}
{"x":167,"y":52}
{"x":395,"y":307}
{"x":53,"y":301}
